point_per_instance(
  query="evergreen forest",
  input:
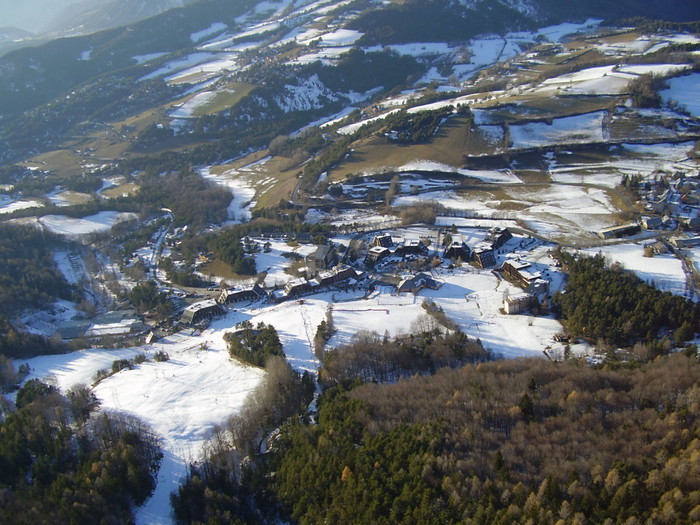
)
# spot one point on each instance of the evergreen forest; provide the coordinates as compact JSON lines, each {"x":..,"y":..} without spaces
{"x":61,"y":462}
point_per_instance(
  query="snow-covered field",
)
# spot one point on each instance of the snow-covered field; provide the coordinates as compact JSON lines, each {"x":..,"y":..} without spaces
{"x":551,"y":209}
{"x":647,"y":160}
{"x":665,"y":271}
{"x":566,"y":130}
{"x":179,"y":64}
{"x":72,"y":227}
{"x":684,"y":90}
{"x":8,"y":205}
{"x":604,"y":80}
{"x":182,"y":399}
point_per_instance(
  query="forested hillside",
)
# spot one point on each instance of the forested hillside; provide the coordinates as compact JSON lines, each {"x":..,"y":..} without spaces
{"x":514,"y":441}
{"x":505,"y":442}
{"x":29,"y":278}
{"x":59,"y":463}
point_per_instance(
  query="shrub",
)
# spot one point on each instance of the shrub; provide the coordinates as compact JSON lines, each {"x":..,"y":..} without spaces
{"x":161,"y":356}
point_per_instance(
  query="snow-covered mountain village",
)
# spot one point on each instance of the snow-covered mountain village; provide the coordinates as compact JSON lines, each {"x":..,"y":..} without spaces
{"x":355,"y":207}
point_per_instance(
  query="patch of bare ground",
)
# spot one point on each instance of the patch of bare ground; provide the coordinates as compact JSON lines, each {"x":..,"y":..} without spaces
{"x":376,"y":153}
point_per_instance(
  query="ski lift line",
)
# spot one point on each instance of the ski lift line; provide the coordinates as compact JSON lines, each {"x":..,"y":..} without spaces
{"x":362,"y":310}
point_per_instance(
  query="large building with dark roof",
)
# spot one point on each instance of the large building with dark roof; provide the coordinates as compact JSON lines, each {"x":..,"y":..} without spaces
{"x":197,"y":312}
{"x":235,"y":295}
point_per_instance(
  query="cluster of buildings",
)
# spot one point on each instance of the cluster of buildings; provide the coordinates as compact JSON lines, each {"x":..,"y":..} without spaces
{"x":672,"y":201}
{"x":383,"y":246}
{"x":339,"y":275}
{"x":329,"y":271}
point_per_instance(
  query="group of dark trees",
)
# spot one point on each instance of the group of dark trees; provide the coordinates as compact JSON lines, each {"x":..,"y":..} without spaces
{"x":371,"y":357}
{"x":408,"y":128}
{"x":192,"y":200}
{"x":16,"y":344}
{"x":612,"y":304}
{"x":29,"y":278}
{"x":61,"y":463}
{"x":28,"y":274}
{"x":254,"y":344}
{"x":184,"y":276}
{"x":644,"y":91}
{"x":228,"y":247}
{"x":145,"y":296}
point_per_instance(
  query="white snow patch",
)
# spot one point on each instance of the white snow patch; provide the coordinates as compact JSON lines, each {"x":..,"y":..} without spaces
{"x":310,"y":94}
{"x":662,"y":70}
{"x":341,"y":37}
{"x":176,"y":65}
{"x":186,"y":109}
{"x":216,"y":27}
{"x":684,"y":90}
{"x":558,"y":32}
{"x":567,"y":130}
{"x":665,"y":271}
{"x":8,"y":204}
{"x":70,"y":226}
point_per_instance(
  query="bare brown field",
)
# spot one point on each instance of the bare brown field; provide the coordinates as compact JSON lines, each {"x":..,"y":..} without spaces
{"x":533,"y":176}
{"x":74,"y":197}
{"x":225,"y":98}
{"x":129,"y":189}
{"x":273,"y":181}
{"x":62,"y":162}
{"x":377,"y":153}
{"x":218,"y":268}
{"x":563,"y":106}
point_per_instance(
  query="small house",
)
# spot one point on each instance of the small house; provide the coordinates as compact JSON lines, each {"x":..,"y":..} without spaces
{"x":523,"y":275}
{"x":457,"y":250}
{"x":416,"y":283}
{"x":338,"y":274}
{"x":376,"y":254}
{"x":484,"y":257}
{"x":685,"y":242}
{"x":616,"y":232}
{"x":513,"y":267}
{"x":652,"y":223}
{"x":323,"y":258}
{"x":518,"y":303}
{"x":498,"y":237}
{"x":411,"y":247}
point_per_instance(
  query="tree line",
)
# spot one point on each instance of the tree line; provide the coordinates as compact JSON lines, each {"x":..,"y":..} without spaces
{"x":371,"y":357}
{"x":29,"y":278}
